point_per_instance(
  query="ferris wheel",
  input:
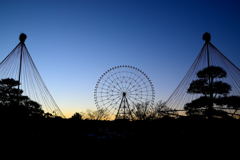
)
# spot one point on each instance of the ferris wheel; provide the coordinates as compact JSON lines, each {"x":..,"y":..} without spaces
{"x":121,"y":89}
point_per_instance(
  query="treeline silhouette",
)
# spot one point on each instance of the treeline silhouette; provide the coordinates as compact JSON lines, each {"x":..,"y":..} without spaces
{"x":214,"y":102}
{"x":23,"y":119}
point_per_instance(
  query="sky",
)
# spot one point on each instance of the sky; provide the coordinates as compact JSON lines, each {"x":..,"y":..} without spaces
{"x":73,"y":42}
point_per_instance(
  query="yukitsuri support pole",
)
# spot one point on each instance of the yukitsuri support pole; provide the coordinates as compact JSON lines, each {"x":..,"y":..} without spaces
{"x":22,"y":39}
{"x":207,"y":38}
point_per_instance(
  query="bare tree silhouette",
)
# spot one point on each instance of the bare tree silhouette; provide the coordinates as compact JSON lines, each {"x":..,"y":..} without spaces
{"x":100,"y":114}
{"x":76,"y":116}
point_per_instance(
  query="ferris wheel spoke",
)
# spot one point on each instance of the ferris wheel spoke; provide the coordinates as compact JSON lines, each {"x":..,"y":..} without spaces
{"x":137,"y":99}
{"x":112,"y":84}
{"x":132,"y":101}
{"x":105,"y":103}
{"x":142,"y":81}
{"x":116,"y":83}
{"x":140,"y":95}
{"x":111,"y":87}
{"x":107,"y":88}
{"x":108,"y":99}
{"x":133,"y":76}
{"x":135,"y":103}
{"x":112,"y":102}
{"x":124,"y":82}
{"x":102,"y":92}
{"x":105,"y":98}
{"x":141,"y":85}
{"x":123,"y":79}
{"x":143,"y":89}
{"x":119,"y":82}
{"x":112,"y":95}
{"x":140,"y":99}
{"x":108,"y":91}
{"x":143,"y":104}
{"x":137,"y":82}
{"x":113,"y":106}
{"x":138,"y":92}
{"x":107,"y":82}
{"x":130,"y":82}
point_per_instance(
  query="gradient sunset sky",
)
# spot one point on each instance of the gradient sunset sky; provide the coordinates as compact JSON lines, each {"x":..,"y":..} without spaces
{"x":73,"y":42}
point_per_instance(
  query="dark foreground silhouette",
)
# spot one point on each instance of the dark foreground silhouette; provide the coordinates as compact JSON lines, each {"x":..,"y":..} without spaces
{"x":155,"y":134}
{"x":24,"y":125}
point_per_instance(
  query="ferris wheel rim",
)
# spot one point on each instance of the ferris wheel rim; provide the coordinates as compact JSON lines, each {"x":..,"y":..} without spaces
{"x":137,"y":70}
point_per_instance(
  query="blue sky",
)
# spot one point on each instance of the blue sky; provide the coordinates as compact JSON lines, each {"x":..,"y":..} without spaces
{"x":73,"y":42}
